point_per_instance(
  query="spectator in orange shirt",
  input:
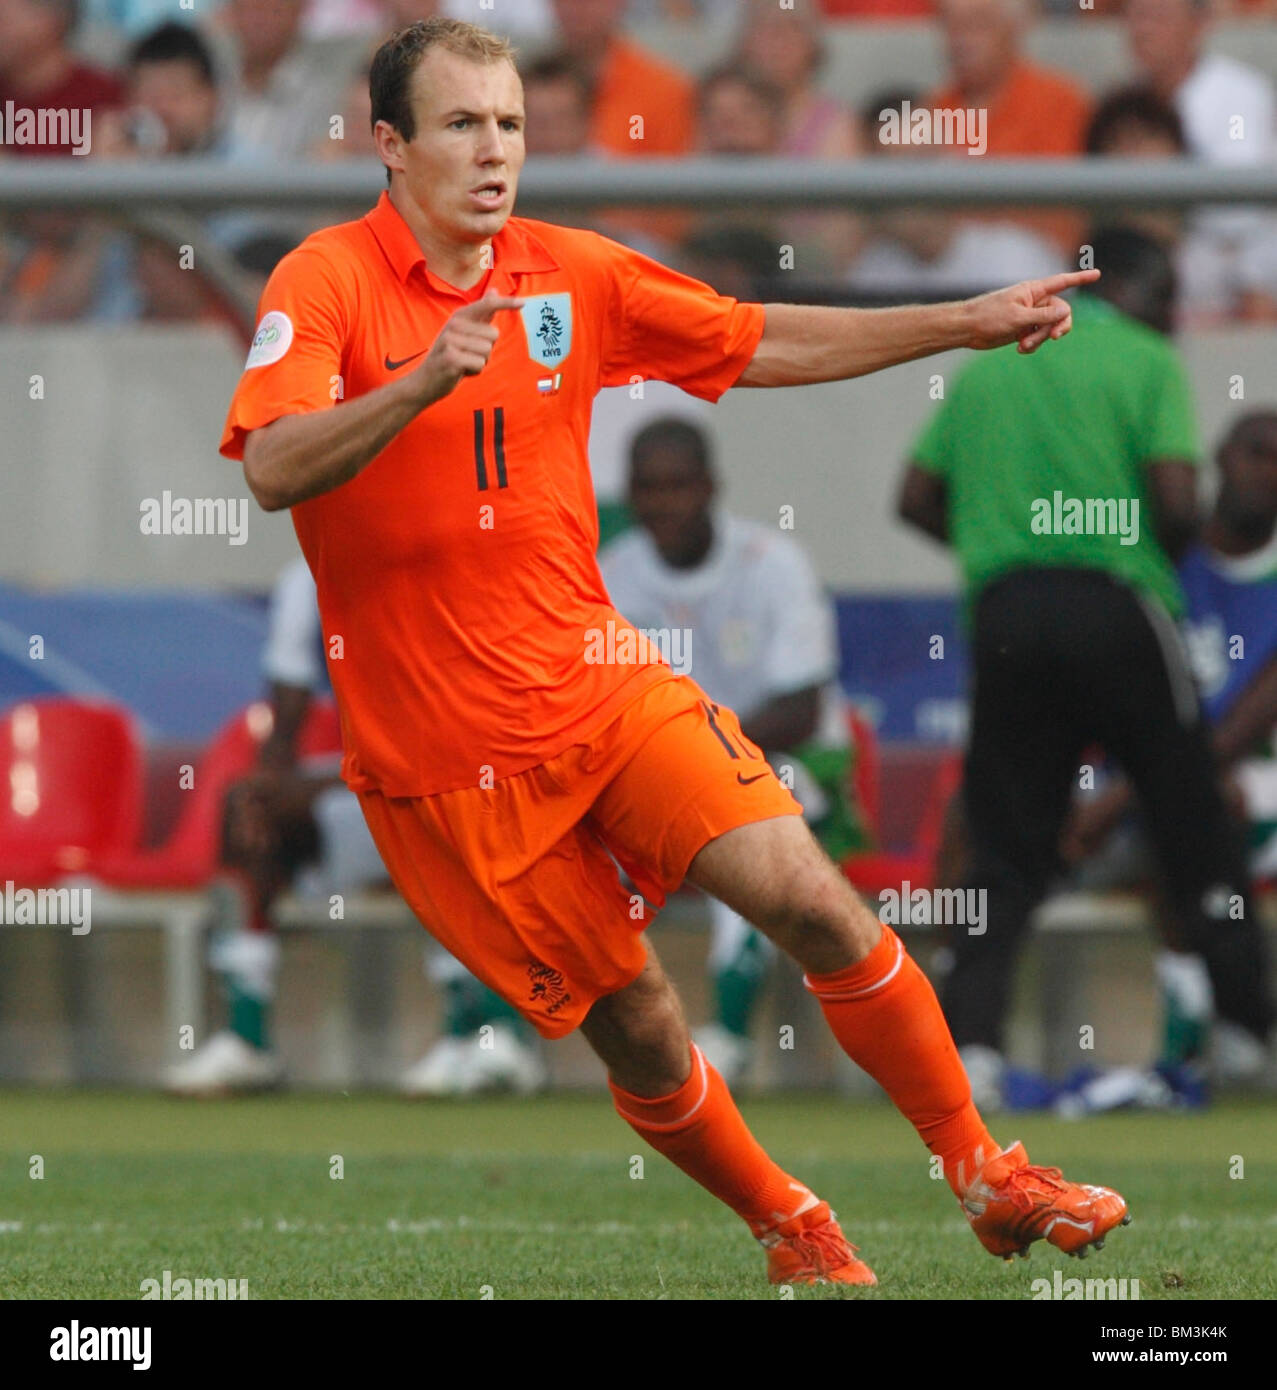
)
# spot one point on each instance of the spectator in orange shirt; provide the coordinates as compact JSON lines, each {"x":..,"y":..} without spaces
{"x":556,"y":105}
{"x":1029,"y":110}
{"x":641,"y":105}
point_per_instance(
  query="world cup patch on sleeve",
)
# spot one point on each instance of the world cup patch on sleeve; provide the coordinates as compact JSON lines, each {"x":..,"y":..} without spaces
{"x":272,"y":340}
{"x":547,"y":323}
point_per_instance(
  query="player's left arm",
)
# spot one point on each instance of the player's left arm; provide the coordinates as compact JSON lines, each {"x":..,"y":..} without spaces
{"x":803,"y":344}
{"x":1251,"y":719}
{"x":1177,"y":514}
{"x":924,"y":502}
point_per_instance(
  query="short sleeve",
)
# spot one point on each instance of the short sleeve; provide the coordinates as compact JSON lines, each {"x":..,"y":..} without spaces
{"x":665,"y":326}
{"x":1170,"y":421}
{"x":934,"y":447}
{"x":296,"y":355}
{"x":802,"y":648}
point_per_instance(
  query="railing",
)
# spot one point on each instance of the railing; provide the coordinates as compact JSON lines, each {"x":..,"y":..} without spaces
{"x":562,"y":184}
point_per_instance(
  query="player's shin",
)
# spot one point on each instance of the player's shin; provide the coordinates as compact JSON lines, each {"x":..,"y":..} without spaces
{"x":699,"y":1128}
{"x":887,"y":1019}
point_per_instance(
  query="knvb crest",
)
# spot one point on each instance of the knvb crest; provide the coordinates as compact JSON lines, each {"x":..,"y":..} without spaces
{"x":548,"y":988}
{"x":547,"y":322}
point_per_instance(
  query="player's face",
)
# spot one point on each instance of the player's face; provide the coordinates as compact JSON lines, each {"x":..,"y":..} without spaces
{"x":778,"y":46}
{"x":585,"y":24}
{"x":26,"y":30}
{"x":265,"y":29}
{"x":177,"y":94}
{"x":558,"y":121}
{"x":1162,"y":32}
{"x":734,"y":122}
{"x":981,"y":38}
{"x":670,"y":496}
{"x":462,"y":165}
{"x":1249,"y":469}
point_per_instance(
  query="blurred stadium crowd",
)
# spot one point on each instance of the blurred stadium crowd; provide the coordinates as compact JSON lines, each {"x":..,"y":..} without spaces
{"x":253,"y":81}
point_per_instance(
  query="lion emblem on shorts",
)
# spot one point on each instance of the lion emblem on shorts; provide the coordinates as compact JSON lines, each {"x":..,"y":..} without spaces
{"x":547,"y":987}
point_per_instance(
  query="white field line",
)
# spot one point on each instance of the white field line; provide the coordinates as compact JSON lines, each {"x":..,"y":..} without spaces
{"x":442,"y":1225}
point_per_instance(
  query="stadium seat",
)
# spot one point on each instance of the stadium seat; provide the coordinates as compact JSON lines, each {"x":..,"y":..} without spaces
{"x":72,"y":773}
{"x":189,"y":857}
{"x":873,"y":871}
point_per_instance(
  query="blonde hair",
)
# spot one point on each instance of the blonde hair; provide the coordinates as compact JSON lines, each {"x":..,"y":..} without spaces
{"x":390,"y":77}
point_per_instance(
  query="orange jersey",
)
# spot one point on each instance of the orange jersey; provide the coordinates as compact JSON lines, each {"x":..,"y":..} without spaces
{"x":457,"y":569}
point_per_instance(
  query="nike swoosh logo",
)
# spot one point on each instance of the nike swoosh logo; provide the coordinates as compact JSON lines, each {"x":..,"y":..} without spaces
{"x":403,"y":362}
{"x":745,"y":781}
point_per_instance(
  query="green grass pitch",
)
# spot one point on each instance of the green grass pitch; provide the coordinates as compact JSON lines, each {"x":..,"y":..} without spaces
{"x":535,"y":1199}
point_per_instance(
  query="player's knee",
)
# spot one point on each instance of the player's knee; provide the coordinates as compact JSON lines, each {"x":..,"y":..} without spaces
{"x":641,"y":1034}
{"x":653,"y":1019}
{"x":821,"y":923}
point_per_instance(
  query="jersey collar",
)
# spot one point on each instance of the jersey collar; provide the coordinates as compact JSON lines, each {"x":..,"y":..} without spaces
{"x":515,"y":251}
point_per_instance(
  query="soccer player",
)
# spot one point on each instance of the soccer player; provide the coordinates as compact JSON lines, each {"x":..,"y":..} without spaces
{"x":746,"y":617}
{"x":418,"y":393}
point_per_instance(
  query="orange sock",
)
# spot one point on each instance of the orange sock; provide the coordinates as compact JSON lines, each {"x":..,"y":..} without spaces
{"x":700,"y":1129}
{"x":887,"y":1019}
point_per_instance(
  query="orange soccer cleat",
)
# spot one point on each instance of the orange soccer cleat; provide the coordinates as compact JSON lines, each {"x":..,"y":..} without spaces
{"x":811,"y":1249}
{"x":1010,"y":1203}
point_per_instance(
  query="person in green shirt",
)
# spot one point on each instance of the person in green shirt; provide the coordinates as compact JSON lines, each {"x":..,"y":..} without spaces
{"x":1067,"y":539}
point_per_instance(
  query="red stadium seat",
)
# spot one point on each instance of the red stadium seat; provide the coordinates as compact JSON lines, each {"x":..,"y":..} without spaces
{"x":71,"y":771}
{"x":321,"y":733}
{"x":189,"y":858}
{"x":873,"y":871}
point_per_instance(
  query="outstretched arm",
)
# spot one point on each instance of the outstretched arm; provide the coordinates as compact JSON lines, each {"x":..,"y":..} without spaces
{"x":803,"y":344}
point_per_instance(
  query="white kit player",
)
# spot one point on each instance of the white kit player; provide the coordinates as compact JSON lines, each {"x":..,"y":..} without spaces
{"x":737,"y":606}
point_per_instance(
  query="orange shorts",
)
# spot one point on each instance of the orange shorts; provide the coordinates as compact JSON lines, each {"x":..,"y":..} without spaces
{"x":519,"y":880}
